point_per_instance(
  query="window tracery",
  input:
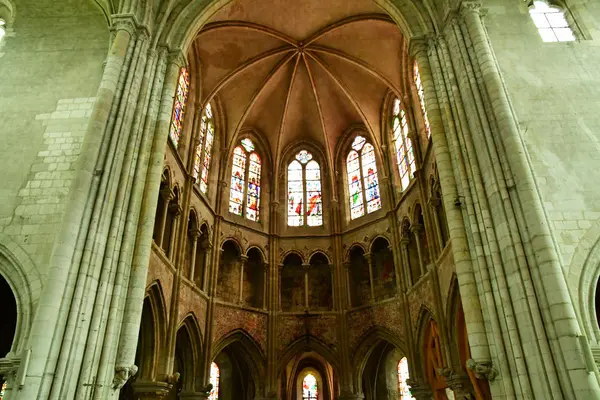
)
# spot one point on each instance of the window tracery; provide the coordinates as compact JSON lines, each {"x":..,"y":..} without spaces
{"x":305,"y":203}
{"x":181,"y":94}
{"x":405,"y":156}
{"x":244,"y":195}
{"x":551,"y":22}
{"x":310,"y":390}
{"x":361,"y":168}
{"x":204,"y":148}
{"x":421,"y":94}
{"x":214,"y":380}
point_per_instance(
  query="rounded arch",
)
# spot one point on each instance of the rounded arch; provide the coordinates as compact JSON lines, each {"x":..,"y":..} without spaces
{"x":167,"y":176}
{"x":290,"y":252}
{"x":319,"y":254}
{"x":24,"y":279}
{"x":369,"y":342}
{"x":258,"y":249}
{"x":193,"y":218}
{"x":234,"y":241}
{"x":353,"y":247}
{"x":378,"y":241}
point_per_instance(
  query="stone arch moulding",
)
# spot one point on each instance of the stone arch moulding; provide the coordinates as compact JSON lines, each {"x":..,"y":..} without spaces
{"x":367,"y":344}
{"x":25,"y":281}
{"x":250,"y":353}
{"x":352,"y":246}
{"x":190,"y":322}
{"x":582,"y":278}
{"x":292,"y":251}
{"x":304,"y":344}
{"x":259,"y":249}
{"x":235,"y":241}
{"x":379,"y":236}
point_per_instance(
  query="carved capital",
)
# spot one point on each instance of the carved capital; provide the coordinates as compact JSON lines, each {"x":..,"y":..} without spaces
{"x":166,"y":193}
{"x":416,"y":228}
{"x":420,"y":390}
{"x":417,"y":46}
{"x":177,"y":57}
{"x":123,"y":374}
{"x":9,"y":366}
{"x":124,"y":22}
{"x":482,"y":369}
{"x":474,"y":7}
{"x":175,"y":209}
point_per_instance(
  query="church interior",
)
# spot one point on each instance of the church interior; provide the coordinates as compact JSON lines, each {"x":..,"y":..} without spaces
{"x":299,"y":200}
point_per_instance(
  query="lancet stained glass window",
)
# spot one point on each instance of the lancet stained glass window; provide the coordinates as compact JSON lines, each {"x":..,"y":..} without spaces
{"x":244,"y":192}
{"x":551,"y":23}
{"x":214,"y":380}
{"x":363,"y":183}
{"x":181,"y":94}
{"x":405,"y":156}
{"x":310,"y":390}
{"x":403,"y":388}
{"x":421,"y":94}
{"x":305,"y":203}
{"x":204,"y":148}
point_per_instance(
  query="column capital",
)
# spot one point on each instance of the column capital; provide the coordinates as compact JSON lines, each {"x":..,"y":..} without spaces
{"x":306,"y":266}
{"x":347,"y":264}
{"x":124,"y":22}
{"x":417,"y":45}
{"x":178,"y":58}
{"x":416,"y":228}
{"x":420,"y":390}
{"x":474,"y":7}
{"x":195,"y":233}
{"x":166,"y":193}
{"x":244,"y":258}
{"x":176,"y":209}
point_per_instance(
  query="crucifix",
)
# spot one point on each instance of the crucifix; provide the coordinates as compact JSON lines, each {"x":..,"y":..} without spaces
{"x":306,"y":317}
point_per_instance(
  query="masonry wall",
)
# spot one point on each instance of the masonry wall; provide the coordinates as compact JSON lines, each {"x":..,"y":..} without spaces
{"x":50,"y":68}
{"x":554,"y":90}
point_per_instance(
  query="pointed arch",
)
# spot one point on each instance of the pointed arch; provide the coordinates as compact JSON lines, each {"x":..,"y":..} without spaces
{"x":304,"y":344}
{"x":188,"y":353}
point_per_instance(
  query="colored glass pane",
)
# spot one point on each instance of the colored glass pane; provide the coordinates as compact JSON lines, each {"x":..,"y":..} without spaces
{"x":204,"y":148}
{"x":181,"y":94}
{"x":403,"y":145}
{"x":253,"y":197}
{"x":248,"y":145}
{"x":2,"y":390}
{"x":551,"y":23}
{"x":314,"y":203}
{"x":357,"y":208}
{"x":421,"y":94}
{"x":236,"y":192}
{"x":214,"y":380}
{"x":369,"y":169}
{"x":310,"y":390}
{"x":304,"y":156}
{"x":403,"y":388}
{"x":295,"y":194}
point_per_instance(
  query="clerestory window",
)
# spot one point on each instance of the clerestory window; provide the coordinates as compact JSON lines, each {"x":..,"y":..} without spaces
{"x":421,"y":94}
{"x":551,"y":22}
{"x":305,"y":205}
{"x":244,"y":194}
{"x":181,"y":94}
{"x":405,"y":156}
{"x":363,"y":184}
{"x":204,"y":148}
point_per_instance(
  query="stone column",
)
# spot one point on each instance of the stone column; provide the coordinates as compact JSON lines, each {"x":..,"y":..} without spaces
{"x":434,"y":203}
{"x":265,"y":278}
{"x":404,"y":241}
{"x":167,"y":195}
{"x":306,"y":268}
{"x":416,"y":230}
{"x":372,"y":285}
{"x":243,"y":261}
{"x":176,"y":210}
{"x":461,"y":385}
{"x":194,"y":234}
{"x":347,"y":266}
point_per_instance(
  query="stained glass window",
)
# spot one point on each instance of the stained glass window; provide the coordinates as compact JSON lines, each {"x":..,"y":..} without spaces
{"x":403,"y":388}
{"x":252,"y":203}
{"x":244,"y":166}
{"x":551,"y":23}
{"x":310,"y":390}
{"x":363,"y":184}
{"x":214,"y":380}
{"x":181,"y":94}
{"x":204,"y":148}
{"x":421,"y":94}
{"x":405,"y":156}
{"x":304,"y":188}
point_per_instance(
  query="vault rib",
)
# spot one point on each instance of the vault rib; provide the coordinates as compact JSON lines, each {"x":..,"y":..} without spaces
{"x":337,"y":25}
{"x":283,"y":118}
{"x":249,"y":63}
{"x":359,"y":63}
{"x":250,"y":26}
{"x":255,"y":97}
{"x":323,"y":129}
{"x":347,"y":93}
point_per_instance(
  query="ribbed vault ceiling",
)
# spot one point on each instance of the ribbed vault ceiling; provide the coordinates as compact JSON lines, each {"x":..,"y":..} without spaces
{"x":300,"y":70}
